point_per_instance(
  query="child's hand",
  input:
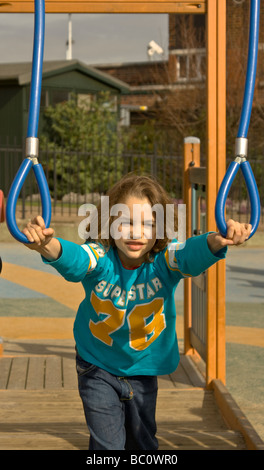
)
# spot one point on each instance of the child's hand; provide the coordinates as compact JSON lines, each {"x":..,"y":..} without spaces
{"x":237,"y":234}
{"x":37,"y":233}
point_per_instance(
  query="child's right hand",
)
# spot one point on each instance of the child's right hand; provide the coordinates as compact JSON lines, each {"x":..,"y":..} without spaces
{"x":37,"y":234}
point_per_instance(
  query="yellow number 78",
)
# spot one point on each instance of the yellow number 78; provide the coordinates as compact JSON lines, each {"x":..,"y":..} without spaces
{"x":146,"y":322}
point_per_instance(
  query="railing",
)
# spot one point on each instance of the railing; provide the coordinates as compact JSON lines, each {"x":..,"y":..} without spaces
{"x":199,"y":310}
{"x":77,"y":178}
{"x":198,"y":292}
{"x":197,"y":180}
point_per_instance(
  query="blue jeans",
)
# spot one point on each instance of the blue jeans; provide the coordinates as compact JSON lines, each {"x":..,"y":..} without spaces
{"x":119,"y":411}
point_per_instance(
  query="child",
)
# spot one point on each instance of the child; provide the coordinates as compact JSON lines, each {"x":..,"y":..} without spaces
{"x":125,"y":327}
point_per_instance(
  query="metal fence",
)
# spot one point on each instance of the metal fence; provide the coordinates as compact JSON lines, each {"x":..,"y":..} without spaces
{"x":77,"y":178}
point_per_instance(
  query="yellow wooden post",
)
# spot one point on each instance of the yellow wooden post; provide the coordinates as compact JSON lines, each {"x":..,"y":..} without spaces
{"x":221,"y":168}
{"x":216,"y":161}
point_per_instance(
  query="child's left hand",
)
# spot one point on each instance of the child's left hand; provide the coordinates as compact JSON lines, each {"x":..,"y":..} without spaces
{"x":237,"y":234}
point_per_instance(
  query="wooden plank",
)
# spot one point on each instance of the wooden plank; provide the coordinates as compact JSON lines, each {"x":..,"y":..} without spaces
{"x":18,"y":373}
{"x":50,"y":420}
{"x":69,"y":378}
{"x":47,"y":420}
{"x":5,"y":366}
{"x":38,"y":372}
{"x":195,"y":440}
{"x":22,"y":441}
{"x":35,"y":377}
{"x":235,"y":417}
{"x":54,"y":419}
{"x":168,"y":440}
{"x":53,"y":373}
{"x":190,"y":420}
{"x":108,"y":6}
{"x":195,"y":408}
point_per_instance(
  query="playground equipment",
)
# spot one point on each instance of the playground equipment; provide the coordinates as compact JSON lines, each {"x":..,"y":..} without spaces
{"x":31,"y":160}
{"x":241,"y":148}
{"x":204,"y":323}
{"x":209,"y":178}
{"x":215,"y":11}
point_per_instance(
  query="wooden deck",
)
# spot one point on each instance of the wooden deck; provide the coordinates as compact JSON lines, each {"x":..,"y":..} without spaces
{"x":41,"y":409}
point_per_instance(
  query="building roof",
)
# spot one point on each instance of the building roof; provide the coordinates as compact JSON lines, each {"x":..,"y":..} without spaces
{"x":20,"y":73}
{"x":138,"y":73}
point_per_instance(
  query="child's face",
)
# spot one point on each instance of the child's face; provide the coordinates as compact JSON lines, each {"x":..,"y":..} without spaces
{"x":138,"y":232}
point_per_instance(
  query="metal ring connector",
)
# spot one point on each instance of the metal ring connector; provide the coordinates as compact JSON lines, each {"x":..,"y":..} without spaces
{"x":32,"y":149}
{"x":241,"y":147}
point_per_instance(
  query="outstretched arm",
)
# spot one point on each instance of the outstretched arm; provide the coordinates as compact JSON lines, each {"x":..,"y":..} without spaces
{"x":197,"y":254}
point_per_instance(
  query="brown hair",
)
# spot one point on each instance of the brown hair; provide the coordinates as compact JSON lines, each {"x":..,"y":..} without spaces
{"x":141,"y":187}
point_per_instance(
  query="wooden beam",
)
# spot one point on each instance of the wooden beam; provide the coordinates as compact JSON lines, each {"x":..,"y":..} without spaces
{"x":211,"y":183}
{"x":107,"y":6}
{"x":220,"y":172}
{"x":216,"y":161}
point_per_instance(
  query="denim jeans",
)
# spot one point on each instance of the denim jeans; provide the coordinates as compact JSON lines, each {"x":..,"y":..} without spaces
{"x":119,"y":411}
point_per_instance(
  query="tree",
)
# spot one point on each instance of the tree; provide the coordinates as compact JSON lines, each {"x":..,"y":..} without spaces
{"x":83,"y":144}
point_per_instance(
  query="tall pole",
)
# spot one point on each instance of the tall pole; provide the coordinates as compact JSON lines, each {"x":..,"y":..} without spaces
{"x":69,"y":42}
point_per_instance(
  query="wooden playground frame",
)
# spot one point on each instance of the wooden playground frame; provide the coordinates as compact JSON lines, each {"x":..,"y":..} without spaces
{"x":215,"y":11}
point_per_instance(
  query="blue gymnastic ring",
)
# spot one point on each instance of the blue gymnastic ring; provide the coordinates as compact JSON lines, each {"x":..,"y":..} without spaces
{"x":224,"y":190}
{"x":32,"y":131}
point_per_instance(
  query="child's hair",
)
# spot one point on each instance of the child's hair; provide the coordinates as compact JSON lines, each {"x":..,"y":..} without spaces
{"x":141,"y":187}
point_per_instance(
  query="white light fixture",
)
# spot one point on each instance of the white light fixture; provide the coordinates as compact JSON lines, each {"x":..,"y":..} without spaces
{"x":154,"y":48}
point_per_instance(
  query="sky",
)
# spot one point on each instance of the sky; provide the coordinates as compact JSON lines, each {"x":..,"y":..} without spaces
{"x":98,"y":38}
